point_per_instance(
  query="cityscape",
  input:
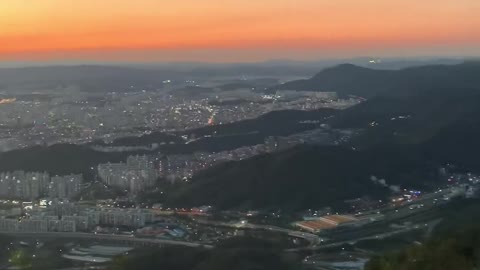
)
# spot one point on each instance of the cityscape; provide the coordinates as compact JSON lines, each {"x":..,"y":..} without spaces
{"x":240,"y":135}
{"x":43,"y":205}
{"x":46,"y":119}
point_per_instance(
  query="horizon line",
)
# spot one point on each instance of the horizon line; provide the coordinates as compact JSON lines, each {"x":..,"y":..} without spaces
{"x":91,"y":62}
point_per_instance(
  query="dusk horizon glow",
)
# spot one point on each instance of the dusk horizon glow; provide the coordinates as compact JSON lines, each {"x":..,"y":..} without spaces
{"x":226,"y":31}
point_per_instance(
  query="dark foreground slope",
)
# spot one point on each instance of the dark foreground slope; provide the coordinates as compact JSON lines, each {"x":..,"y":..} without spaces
{"x":349,"y":79}
{"x":302,"y":177}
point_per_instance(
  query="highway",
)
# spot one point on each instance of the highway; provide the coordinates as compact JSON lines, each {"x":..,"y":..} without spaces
{"x":403,"y":214}
{"x":352,"y":241}
{"x":109,"y":237}
{"x":311,"y":238}
{"x":429,"y":227}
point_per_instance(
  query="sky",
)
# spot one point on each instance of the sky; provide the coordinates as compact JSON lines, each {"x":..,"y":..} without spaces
{"x":235,"y":30}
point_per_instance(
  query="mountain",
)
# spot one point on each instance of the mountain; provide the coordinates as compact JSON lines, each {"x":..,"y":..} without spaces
{"x":410,"y":119}
{"x":348,"y":79}
{"x":302,"y":177}
{"x":445,"y":127}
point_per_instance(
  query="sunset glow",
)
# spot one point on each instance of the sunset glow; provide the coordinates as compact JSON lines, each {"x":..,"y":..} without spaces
{"x":146,"y":29}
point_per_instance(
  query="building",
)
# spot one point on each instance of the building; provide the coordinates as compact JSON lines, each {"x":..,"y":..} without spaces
{"x":61,"y":225}
{"x":81,"y":222}
{"x":8,"y":225}
{"x":37,"y":224}
{"x":63,"y":208}
{"x":34,"y":185}
{"x":137,"y":174}
{"x":32,"y":225}
{"x":135,"y":218}
{"x":325,"y":223}
{"x":93,"y":217}
{"x":25,"y":185}
{"x":338,"y":220}
{"x":63,"y":187}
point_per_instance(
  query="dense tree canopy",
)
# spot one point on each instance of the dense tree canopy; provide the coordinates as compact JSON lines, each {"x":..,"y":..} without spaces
{"x":459,"y":251}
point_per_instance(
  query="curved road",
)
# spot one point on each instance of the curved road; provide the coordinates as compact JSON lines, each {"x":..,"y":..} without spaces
{"x":313,"y":239}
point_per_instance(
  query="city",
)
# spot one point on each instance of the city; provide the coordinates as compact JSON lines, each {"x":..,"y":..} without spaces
{"x":239,"y":135}
{"x":46,"y":119}
{"x":150,"y":182}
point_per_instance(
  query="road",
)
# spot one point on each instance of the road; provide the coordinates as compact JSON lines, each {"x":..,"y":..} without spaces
{"x":123,"y":238}
{"x":393,"y":215}
{"x":371,"y":237}
{"x":313,"y":239}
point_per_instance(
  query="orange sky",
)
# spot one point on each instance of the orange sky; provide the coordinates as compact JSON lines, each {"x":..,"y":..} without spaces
{"x":232,"y":30}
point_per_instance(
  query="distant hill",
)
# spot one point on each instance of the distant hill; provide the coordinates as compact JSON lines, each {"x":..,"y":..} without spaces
{"x":126,"y":77}
{"x":236,"y":86}
{"x":260,"y":83}
{"x":120,"y":77}
{"x":348,"y":79}
{"x":192,"y":91}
